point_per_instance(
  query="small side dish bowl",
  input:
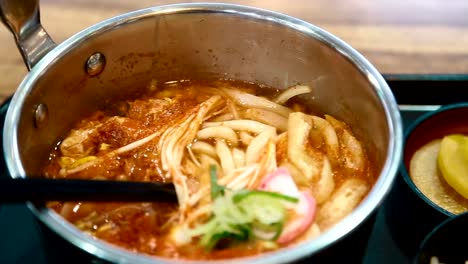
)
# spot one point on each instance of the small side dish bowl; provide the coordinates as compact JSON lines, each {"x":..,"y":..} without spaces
{"x":442,"y":245}
{"x":422,"y":198}
{"x":422,"y":147}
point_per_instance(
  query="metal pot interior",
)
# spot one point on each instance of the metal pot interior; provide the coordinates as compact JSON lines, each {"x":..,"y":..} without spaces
{"x":202,"y":41}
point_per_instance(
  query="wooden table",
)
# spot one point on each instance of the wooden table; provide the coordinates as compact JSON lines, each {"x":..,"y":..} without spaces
{"x":397,"y":36}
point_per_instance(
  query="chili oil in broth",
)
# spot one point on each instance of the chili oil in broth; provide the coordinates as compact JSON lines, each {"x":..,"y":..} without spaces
{"x":145,"y":227}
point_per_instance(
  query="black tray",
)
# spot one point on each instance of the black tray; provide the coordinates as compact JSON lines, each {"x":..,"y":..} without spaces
{"x":22,"y":240}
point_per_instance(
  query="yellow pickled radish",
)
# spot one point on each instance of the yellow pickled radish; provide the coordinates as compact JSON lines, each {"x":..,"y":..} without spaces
{"x":453,"y":162}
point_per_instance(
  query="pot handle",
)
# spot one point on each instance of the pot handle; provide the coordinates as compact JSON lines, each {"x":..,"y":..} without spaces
{"x":22,"y":19}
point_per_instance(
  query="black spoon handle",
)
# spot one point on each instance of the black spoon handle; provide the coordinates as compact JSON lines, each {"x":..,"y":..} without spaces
{"x":36,"y":189}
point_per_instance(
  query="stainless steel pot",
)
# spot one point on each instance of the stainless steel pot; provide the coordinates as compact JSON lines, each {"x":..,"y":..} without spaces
{"x":118,"y":56}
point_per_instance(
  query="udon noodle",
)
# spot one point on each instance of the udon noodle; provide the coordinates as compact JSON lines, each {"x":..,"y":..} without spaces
{"x":254,"y":170}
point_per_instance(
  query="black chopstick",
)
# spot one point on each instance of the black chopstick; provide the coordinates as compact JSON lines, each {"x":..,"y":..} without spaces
{"x":41,"y":190}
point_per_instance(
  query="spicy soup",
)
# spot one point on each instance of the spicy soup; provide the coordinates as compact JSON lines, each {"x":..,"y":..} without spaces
{"x":254,"y":169}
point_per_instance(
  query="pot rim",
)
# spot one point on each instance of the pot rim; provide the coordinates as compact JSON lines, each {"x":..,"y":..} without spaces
{"x":113,"y":253}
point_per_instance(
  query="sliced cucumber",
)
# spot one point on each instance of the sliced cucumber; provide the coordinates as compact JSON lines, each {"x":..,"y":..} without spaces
{"x":267,"y":232}
{"x":244,"y":194}
{"x":242,"y":215}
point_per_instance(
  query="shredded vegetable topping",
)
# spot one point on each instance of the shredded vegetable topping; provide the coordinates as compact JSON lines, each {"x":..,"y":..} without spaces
{"x":242,"y":215}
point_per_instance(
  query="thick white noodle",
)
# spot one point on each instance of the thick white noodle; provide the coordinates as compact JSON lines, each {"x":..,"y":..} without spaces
{"x":291,"y":92}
